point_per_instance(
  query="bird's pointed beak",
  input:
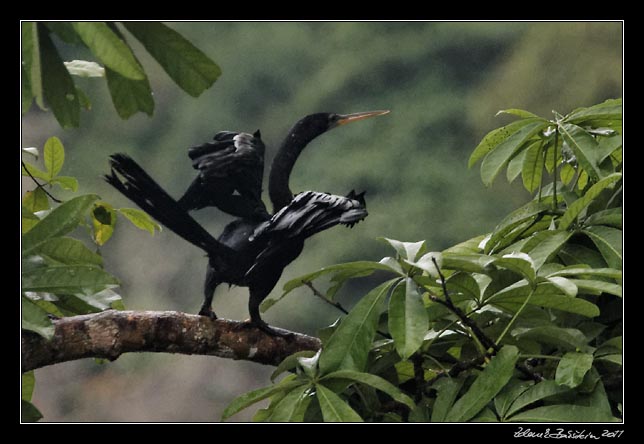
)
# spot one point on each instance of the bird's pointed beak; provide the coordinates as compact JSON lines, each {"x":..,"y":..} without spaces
{"x":343,"y":119}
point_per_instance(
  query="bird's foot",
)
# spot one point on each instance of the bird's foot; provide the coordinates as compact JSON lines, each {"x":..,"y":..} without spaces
{"x":263,"y":326}
{"x":207,"y":311}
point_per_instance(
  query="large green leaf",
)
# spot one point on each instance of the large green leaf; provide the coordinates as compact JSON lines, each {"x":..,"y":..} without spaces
{"x":609,"y":242}
{"x":448,"y":389}
{"x":408,"y":321}
{"x":31,"y":60}
{"x":35,"y":319}
{"x":406,"y":250}
{"x":572,"y":368}
{"x":59,"y":90}
{"x":610,"y":109}
{"x":472,"y":263}
{"x":532,"y":168}
{"x":188,"y":66}
{"x":28,"y":384}
{"x":291,"y":408}
{"x":563,"y":413}
{"x":577,"y":206}
{"x":544,"y":245}
{"x":35,"y":201}
{"x":545,"y":294}
{"x":374,"y":381}
{"x":569,"y":339}
{"x":494,"y":138}
{"x":576,"y":254}
{"x":593,"y":286}
{"x":334,"y":409}
{"x":580,"y":271}
{"x":585,"y":148}
{"x":537,"y":392}
{"x":490,"y":382}
{"x":66,"y":32}
{"x":129,"y":96}
{"x":502,"y":153}
{"x":68,"y":251}
{"x":506,"y":397}
{"x":526,"y":213}
{"x":59,"y":222}
{"x":83,"y":279}
{"x":140,"y":219}
{"x":611,"y":217}
{"x":241,"y":402}
{"x":109,"y":49}
{"x":349,"y":345}
{"x":520,"y":263}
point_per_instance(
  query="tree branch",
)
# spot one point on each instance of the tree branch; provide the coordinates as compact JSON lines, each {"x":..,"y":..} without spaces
{"x":111,"y":333}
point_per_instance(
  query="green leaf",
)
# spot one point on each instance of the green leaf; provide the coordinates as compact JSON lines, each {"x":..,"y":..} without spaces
{"x":59,"y":222}
{"x":408,"y":321}
{"x":140,"y":219}
{"x":544,"y":245}
{"x":109,"y":48}
{"x":66,"y":182}
{"x":250,"y":398}
{"x":520,"y":263}
{"x":374,"y":381}
{"x":31,"y":60}
{"x":503,"y":401}
{"x":585,"y":148}
{"x":35,"y":319}
{"x":290,"y":362}
{"x":28,"y":220}
{"x":28,"y":384}
{"x":465,"y":284}
{"x":537,"y":392}
{"x":471,"y":263}
{"x":66,"y":32}
{"x":84,"y":68}
{"x":580,"y":204}
{"x":493,"y":378}
{"x":59,"y":90}
{"x":579,"y":271}
{"x":514,"y":219}
{"x":448,"y":389}
{"x":348,"y":347}
{"x":103,"y":222}
{"x":567,"y":173}
{"x":54,"y":156}
{"x":569,"y":339}
{"x":426,"y":263}
{"x":406,"y":250}
{"x":575,"y":254}
{"x":515,"y":165}
{"x":291,"y":408}
{"x":188,"y":66}
{"x":129,"y":96}
{"x":35,"y":201}
{"x":29,"y":412}
{"x":90,"y":303}
{"x":26,"y":95}
{"x":84,"y":279}
{"x":494,"y":138}
{"x":467,"y":247}
{"x":502,"y":153}
{"x":532,"y":168}
{"x":562,"y":413}
{"x":598,"y":287}
{"x":572,"y":368}
{"x":68,"y":251}
{"x":610,"y":109}
{"x":35,"y":171}
{"x":334,"y":409}
{"x":609,"y":242}
{"x":517,"y":112}
{"x":567,"y":286}
{"x":611,"y":217}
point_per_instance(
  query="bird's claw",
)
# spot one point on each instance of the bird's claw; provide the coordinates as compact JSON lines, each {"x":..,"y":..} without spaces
{"x":263,"y":326}
{"x":207,"y":311}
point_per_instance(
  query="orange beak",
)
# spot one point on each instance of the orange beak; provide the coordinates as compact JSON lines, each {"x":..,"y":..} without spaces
{"x":348,"y":118}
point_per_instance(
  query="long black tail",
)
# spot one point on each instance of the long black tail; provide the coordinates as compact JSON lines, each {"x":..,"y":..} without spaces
{"x":140,"y":188}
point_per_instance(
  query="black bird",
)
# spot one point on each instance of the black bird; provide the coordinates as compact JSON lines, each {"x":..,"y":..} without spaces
{"x":230,"y":175}
{"x":250,"y":252}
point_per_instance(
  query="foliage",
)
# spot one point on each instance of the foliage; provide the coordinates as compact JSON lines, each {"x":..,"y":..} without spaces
{"x":521,"y":324}
{"x":61,"y":275}
{"x":48,"y":79}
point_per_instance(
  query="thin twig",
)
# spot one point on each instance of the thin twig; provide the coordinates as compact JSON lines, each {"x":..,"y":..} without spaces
{"x":337,"y":305}
{"x":38,"y":184}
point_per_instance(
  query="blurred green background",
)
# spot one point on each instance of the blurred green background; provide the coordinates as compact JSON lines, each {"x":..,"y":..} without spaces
{"x":443,"y":83}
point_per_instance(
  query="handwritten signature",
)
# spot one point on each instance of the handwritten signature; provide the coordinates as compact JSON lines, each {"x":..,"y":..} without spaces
{"x":561,"y":433}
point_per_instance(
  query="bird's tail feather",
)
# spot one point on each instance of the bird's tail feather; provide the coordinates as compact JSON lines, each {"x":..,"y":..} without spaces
{"x":137,"y":185}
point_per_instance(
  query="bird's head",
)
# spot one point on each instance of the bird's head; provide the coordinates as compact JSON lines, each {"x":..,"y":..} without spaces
{"x":311,"y":126}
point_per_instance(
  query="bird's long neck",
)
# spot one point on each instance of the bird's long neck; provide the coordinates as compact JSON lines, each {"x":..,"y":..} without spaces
{"x":278,"y":182}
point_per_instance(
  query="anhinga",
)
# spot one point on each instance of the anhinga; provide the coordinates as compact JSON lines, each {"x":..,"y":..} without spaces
{"x":253,"y":250}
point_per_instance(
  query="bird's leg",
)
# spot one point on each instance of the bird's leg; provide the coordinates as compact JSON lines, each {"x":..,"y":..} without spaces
{"x":256,"y":298}
{"x":209,"y":291}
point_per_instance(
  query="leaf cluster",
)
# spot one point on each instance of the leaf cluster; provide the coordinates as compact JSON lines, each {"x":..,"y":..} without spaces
{"x":47,"y":78}
{"x":520,"y":324}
